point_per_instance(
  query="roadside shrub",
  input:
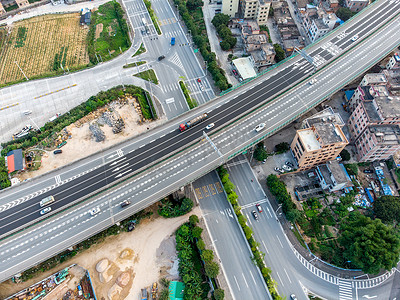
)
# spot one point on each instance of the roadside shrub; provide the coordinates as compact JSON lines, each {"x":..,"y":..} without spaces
{"x":172,"y":209}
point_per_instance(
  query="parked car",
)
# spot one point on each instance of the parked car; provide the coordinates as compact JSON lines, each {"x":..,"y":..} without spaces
{"x":58,"y":151}
{"x":259,"y":208}
{"x":287,"y":168}
{"x":368,"y":171}
{"x":260,"y":127}
{"x":293,"y":297}
{"x":45,"y":210}
{"x":264,"y":161}
{"x":234,"y":72}
{"x":209,"y":126}
{"x":94,"y":211}
{"x":289,"y":164}
{"x":279,"y":170}
{"x":125,"y":203}
{"x":254,"y":215}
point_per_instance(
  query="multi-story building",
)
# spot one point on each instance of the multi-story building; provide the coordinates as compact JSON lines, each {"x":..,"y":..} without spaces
{"x":394,"y":62}
{"x":230,"y":7}
{"x":321,"y":140}
{"x":263,"y":57}
{"x":2,"y":10}
{"x":393,"y":79}
{"x":22,"y":3}
{"x":317,"y":22}
{"x":255,"y":9}
{"x":356,"y":5}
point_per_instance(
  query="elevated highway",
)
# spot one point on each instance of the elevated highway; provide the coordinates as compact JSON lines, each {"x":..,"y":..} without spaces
{"x":158,"y":172}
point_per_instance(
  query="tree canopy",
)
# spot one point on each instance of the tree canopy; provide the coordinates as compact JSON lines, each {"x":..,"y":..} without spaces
{"x":220,"y":19}
{"x":344,"y":13}
{"x":387,"y":208}
{"x":369,"y":244}
{"x":279,"y":53}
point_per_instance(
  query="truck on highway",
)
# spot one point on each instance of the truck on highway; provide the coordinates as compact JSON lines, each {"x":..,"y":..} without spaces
{"x":172,"y":41}
{"x":47,"y":201}
{"x":193,"y":122}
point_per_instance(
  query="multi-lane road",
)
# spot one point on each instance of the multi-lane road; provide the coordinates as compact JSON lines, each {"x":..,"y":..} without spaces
{"x":23,"y":250}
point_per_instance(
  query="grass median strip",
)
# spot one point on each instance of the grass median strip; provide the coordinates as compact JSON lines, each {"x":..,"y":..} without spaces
{"x":148,"y":75}
{"x":191,"y":102}
{"x":134,"y":64}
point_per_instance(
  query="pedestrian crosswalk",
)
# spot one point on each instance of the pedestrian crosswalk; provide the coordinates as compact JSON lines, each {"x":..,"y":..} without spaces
{"x":176,"y":60}
{"x":345,"y":290}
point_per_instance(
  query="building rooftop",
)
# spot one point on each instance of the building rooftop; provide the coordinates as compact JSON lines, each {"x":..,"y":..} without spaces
{"x":393,"y":78}
{"x":389,"y":106}
{"x":308,"y":139}
{"x":268,"y":49}
{"x":334,"y":168}
{"x":375,"y":78}
{"x":389,"y":135}
{"x":325,"y":116}
{"x":244,"y":67}
{"x":366,"y":92}
{"x":320,"y":24}
{"x":329,"y":133}
{"x":256,"y":39}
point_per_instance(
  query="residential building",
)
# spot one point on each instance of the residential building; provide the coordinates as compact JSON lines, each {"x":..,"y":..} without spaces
{"x":393,"y":79}
{"x":2,"y":10}
{"x":263,"y":57}
{"x":255,"y":9}
{"x":373,"y":79}
{"x":245,"y":68}
{"x":15,"y":160}
{"x":317,"y":22}
{"x":366,"y":93}
{"x":321,"y":140}
{"x":255,"y":41}
{"x":333,"y":177}
{"x":230,"y":7}
{"x":356,"y":5}
{"x":394,"y":61}
{"x":22,"y":3}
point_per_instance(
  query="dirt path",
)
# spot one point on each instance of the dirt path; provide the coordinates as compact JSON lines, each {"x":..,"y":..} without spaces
{"x":151,"y":252}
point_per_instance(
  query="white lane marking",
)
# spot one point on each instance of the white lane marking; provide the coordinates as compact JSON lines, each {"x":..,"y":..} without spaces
{"x":236,"y":282}
{"x":287,"y":275}
{"x":279,"y":241}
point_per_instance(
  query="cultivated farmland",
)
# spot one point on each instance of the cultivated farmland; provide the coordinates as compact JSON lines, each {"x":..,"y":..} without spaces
{"x":42,"y":46}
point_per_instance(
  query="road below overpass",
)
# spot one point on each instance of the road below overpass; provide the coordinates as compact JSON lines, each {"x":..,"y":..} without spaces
{"x":65,"y":229}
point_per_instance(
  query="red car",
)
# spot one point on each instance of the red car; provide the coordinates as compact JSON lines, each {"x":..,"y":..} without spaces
{"x":198,"y":80}
{"x":234,"y":72}
{"x":259,"y":208}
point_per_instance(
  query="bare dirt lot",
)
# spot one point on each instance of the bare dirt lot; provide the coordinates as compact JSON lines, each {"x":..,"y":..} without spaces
{"x":81,"y":138}
{"x":147,"y":254}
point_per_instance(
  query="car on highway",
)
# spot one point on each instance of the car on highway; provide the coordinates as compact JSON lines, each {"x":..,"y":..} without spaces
{"x":259,"y":208}
{"x":293,"y":297}
{"x":161,"y":57}
{"x":45,"y":210}
{"x":125,"y":203}
{"x":260,"y":127}
{"x":254,"y":215}
{"x":286,"y":168}
{"x":312,"y":81}
{"x":289,"y":164}
{"x":354,"y":38}
{"x":94,"y":211}
{"x":209,"y":126}
{"x":279,"y":170}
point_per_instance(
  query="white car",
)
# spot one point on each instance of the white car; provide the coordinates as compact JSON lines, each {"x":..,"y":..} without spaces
{"x":279,"y":170}
{"x":209,"y":126}
{"x":94,"y":211}
{"x":260,"y":127}
{"x":45,"y":210}
{"x":312,"y":81}
{"x":354,"y":38}
{"x":287,"y":168}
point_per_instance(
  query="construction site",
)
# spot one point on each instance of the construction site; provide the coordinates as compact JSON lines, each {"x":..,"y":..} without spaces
{"x":71,"y":283}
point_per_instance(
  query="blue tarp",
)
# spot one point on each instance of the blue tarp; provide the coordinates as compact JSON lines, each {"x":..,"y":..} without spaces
{"x":369,"y":195}
{"x":349,"y":94}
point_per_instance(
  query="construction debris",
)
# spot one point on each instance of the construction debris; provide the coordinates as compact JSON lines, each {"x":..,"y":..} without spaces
{"x":97,"y":132}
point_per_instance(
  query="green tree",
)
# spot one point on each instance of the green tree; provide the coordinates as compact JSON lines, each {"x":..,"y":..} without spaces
{"x":387,"y":208}
{"x":225,"y":45}
{"x":369,"y":244}
{"x":293,"y":215}
{"x":201,"y":245}
{"x":219,"y":294}
{"x":282,"y":147}
{"x":260,"y":154}
{"x":193,"y":220}
{"x":345,"y":155}
{"x":279,"y":53}
{"x":196,"y":232}
{"x":207,"y":255}
{"x":352,"y":169}
{"x":220,"y":19}
{"x":194,"y":4}
{"x":212,"y":269}
{"x":344,"y":13}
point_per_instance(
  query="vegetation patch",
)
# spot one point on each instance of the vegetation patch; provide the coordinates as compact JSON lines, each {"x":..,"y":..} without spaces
{"x":174,"y":207}
{"x":141,"y":50}
{"x":191,"y":102}
{"x":135,"y":64}
{"x":148,"y":75}
{"x":152,"y":15}
{"x":192,"y":15}
{"x":114,"y":37}
{"x":220,"y":22}
{"x":47,"y":36}
{"x":78,"y":112}
{"x":4,"y":180}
